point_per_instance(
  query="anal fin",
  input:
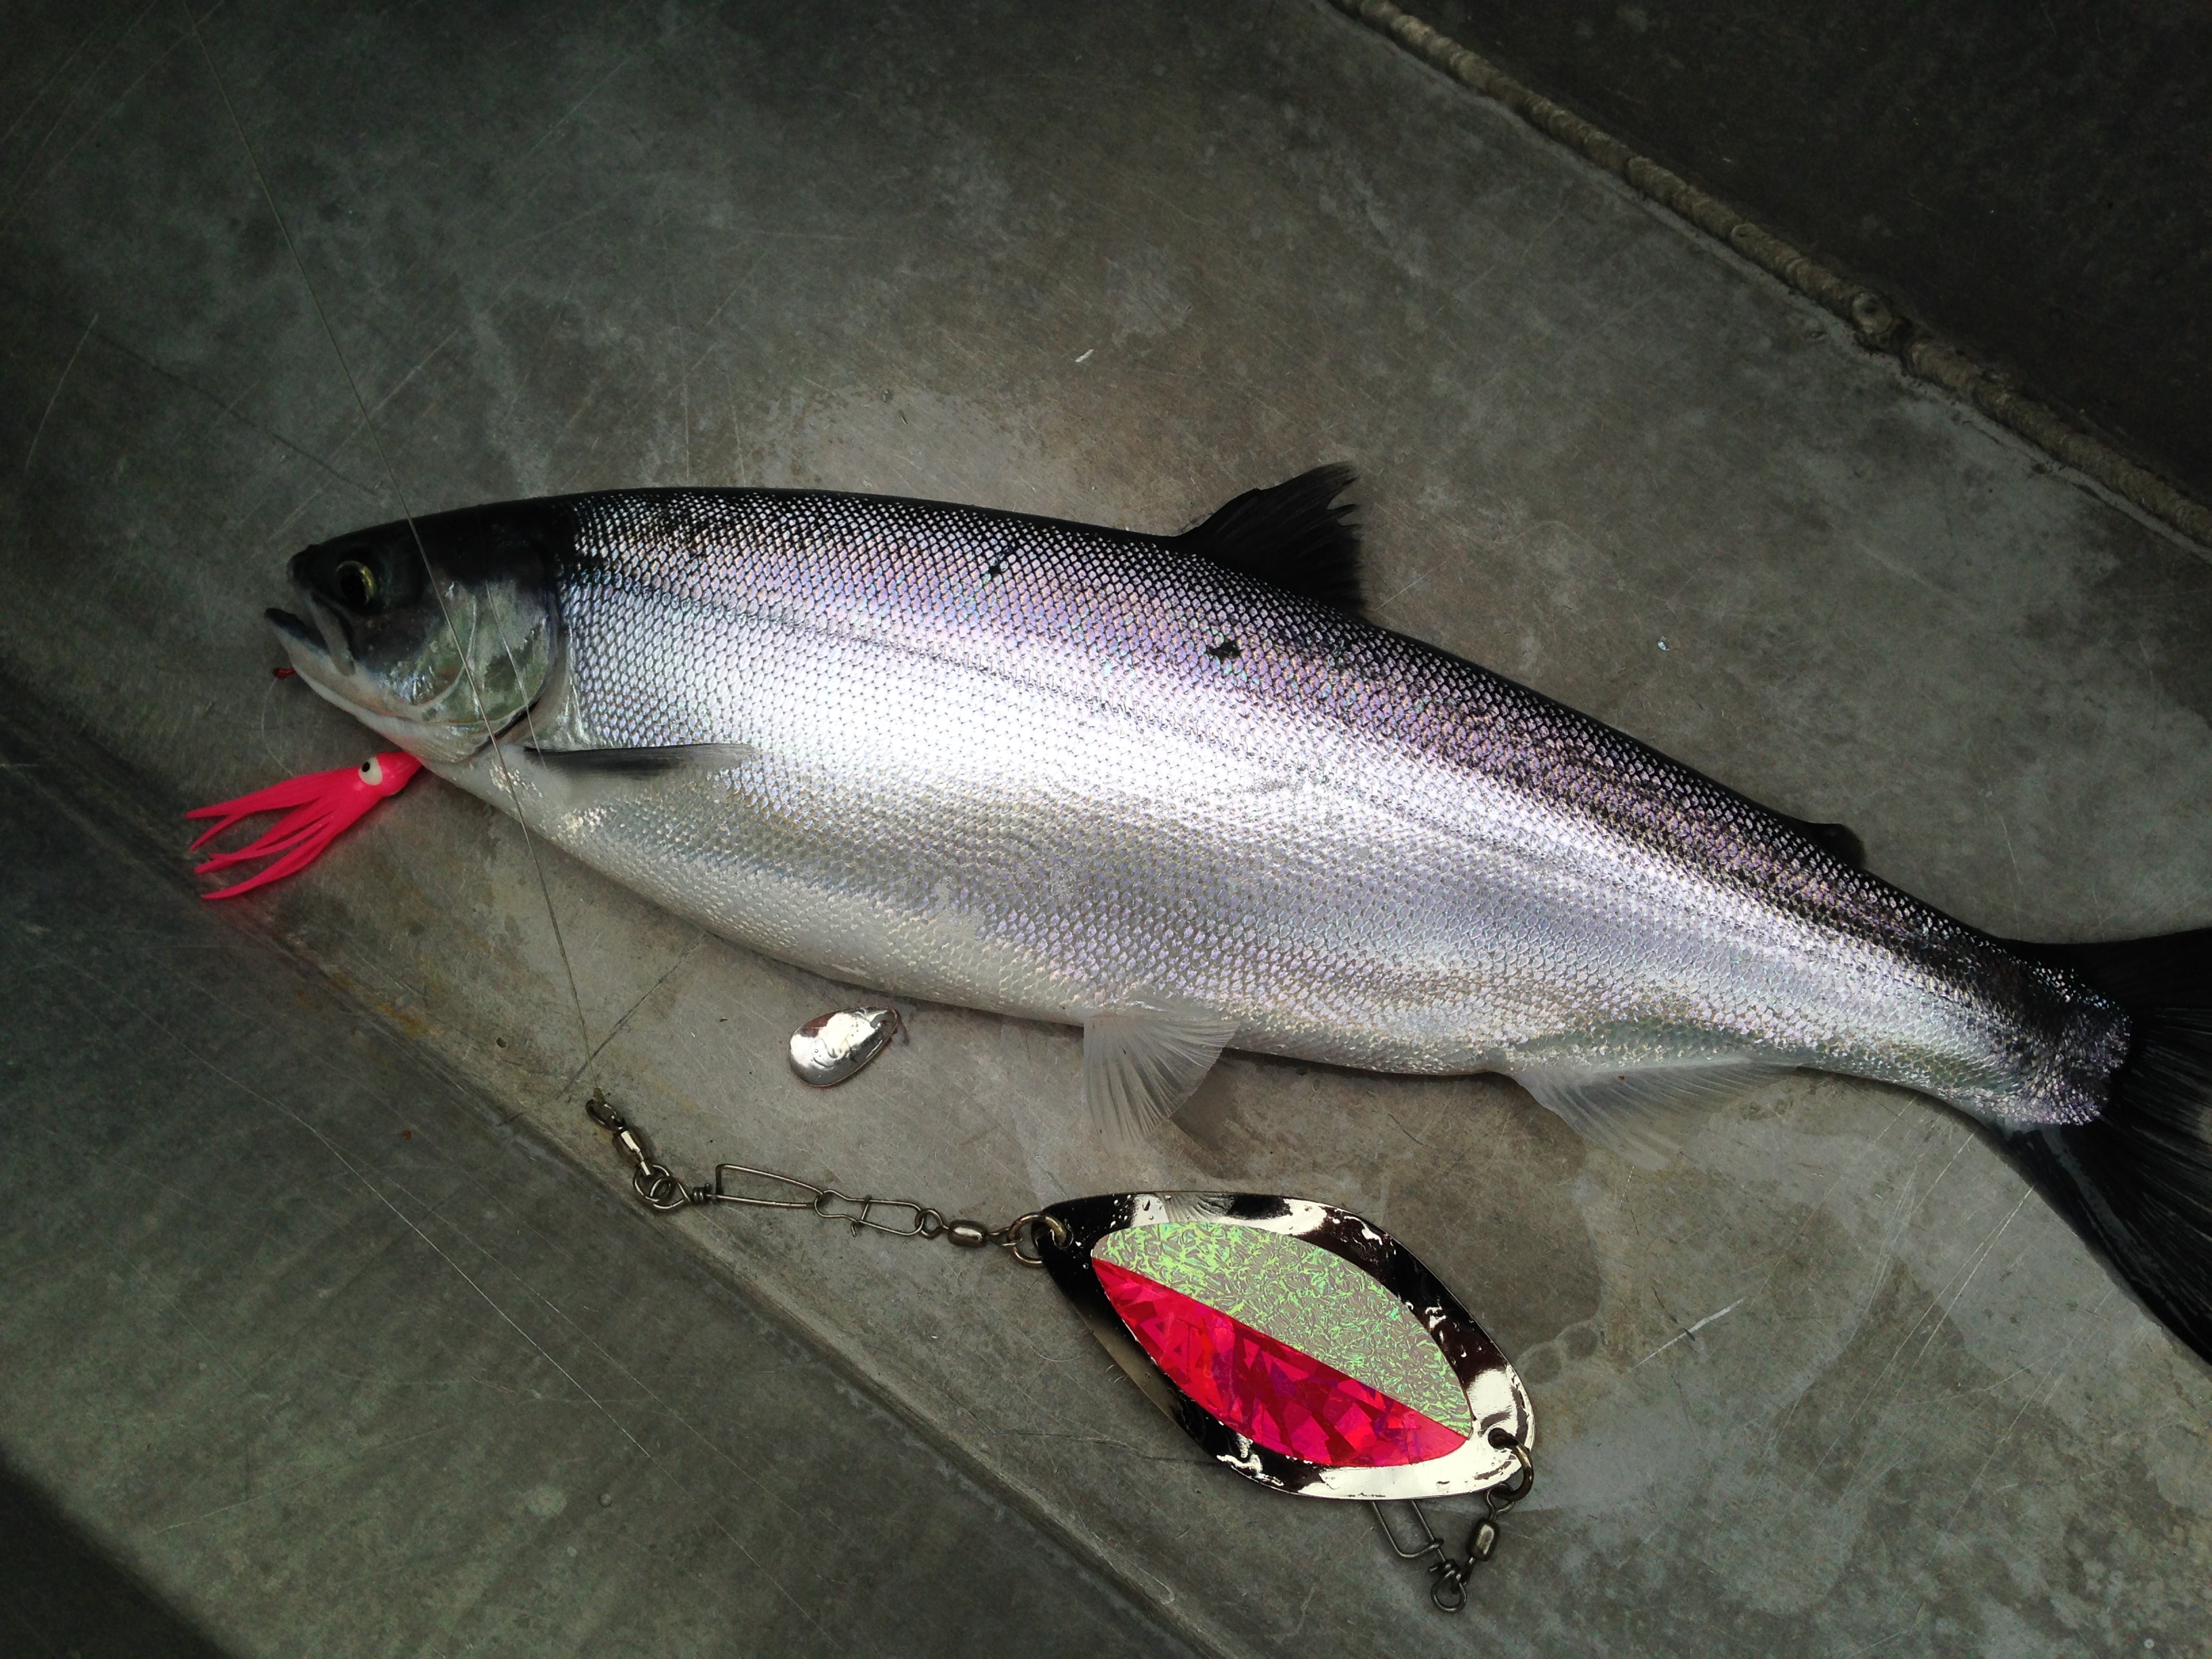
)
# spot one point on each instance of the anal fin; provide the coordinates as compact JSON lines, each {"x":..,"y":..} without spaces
{"x":1140,"y":1062}
{"x":1643,"y":1113}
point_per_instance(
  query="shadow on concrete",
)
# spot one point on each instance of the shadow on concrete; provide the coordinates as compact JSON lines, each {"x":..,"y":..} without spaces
{"x":2027,"y":180}
{"x":63,"y":1596}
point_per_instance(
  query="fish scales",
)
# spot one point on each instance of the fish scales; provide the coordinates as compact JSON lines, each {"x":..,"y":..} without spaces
{"x":1048,"y":768}
{"x":1170,"y":787}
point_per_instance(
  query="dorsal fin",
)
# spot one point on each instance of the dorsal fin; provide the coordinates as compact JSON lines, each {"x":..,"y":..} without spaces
{"x":1293,"y":534}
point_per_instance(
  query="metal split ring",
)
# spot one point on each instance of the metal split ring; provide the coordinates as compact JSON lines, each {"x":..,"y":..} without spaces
{"x":1503,"y":1496}
{"x":1011,"y":1235}
{"x":657,"y":1187}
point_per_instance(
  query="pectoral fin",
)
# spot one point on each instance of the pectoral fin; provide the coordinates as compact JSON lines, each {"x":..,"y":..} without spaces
{"x":1642,"y":1115}
{"x":649,"y":762}
{"x":1140,"y":1062}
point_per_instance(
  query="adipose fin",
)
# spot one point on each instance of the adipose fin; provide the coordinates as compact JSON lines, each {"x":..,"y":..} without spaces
{"x":1840,"y":840}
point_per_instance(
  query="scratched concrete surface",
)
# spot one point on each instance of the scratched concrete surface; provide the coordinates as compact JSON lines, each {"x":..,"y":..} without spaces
{"x":336,"y":1362}
{"x":1835,"y":1383}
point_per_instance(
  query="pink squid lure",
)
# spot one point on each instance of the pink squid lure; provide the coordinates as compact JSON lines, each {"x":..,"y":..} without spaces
{"x":325,"y":805}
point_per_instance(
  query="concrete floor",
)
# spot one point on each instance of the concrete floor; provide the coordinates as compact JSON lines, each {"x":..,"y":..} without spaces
{"x":336,"y":1362}
{"x":2027,"y":180}
{"x":1836,"y":1383}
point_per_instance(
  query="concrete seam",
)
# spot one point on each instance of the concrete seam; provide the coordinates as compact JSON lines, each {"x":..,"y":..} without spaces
{"x":1924,"y":356}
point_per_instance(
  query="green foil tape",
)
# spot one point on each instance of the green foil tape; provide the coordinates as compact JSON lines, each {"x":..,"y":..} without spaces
{"x":1304,"y":1295}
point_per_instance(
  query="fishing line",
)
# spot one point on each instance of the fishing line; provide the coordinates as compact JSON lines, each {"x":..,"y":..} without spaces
{"x":430,"y":573}
{"x":476,"y":691}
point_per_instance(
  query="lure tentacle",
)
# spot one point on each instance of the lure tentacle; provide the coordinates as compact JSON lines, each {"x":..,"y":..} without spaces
{"x":322,"y":807}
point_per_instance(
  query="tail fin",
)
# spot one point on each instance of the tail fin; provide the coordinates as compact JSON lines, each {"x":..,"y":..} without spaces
{"x":2137,"y":1180}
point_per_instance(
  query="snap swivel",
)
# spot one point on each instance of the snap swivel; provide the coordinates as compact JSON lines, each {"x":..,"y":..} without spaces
{"x":1448,"y":1574}
{"x":657,"y":1188}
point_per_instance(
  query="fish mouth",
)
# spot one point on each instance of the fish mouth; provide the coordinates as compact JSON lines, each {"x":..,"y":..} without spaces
{"x":317,"y":650}
{"x":296,"y":633}
{"x":308,"y":647}
{"x":322,"y":656}
{"x":331,"y":671}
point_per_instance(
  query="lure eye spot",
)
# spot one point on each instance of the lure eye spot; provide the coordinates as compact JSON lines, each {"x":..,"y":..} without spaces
{"x":356,"y":585}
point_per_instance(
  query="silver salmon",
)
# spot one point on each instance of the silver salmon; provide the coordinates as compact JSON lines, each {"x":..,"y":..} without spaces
{"x":1175,"y":790}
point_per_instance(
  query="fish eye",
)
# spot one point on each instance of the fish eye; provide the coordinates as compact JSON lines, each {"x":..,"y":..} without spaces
{"x":356,"y":583}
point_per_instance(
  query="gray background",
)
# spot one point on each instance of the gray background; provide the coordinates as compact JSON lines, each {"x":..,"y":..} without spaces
{"x":2034,"y":182}
{"x":329,"y":1359}
{"x":1118,"y":263}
